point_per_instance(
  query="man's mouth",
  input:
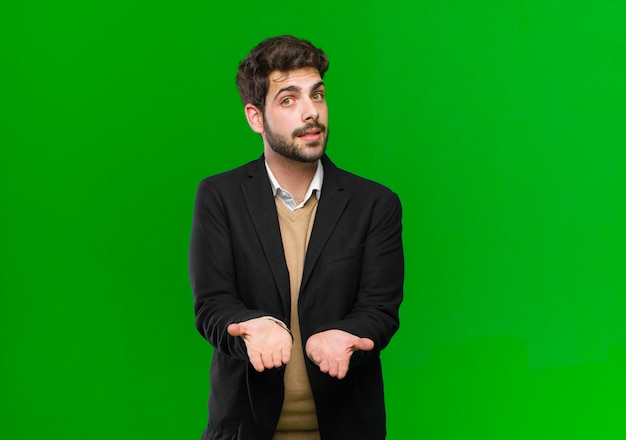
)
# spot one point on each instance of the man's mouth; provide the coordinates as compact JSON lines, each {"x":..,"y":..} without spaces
{"x":310,"y":135}
{"x":310,"y":132}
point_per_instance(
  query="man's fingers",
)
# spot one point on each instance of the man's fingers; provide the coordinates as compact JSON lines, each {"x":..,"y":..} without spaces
{"x":267,"y":360}
{"x":331,"y":351}
{"x":257,"y":362}
{"x":316,"y":357}
{"x":342,"y":370}
{"x":324,"y":366}
{"x":268,"y":344}
{"x":277,"y":358}
{"x":333,"y":368}
{"x":286,"y":355}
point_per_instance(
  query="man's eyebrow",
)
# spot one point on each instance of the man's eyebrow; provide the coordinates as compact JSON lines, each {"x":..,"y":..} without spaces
{"x":297,"y":89}
{"x":288,"y":89}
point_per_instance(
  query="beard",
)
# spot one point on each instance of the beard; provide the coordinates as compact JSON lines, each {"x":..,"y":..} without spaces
{"x":289,"y":147}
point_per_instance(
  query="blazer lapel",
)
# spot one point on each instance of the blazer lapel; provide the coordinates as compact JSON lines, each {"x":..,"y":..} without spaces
{"x":262,"y":210}
{"x":330,"y":208}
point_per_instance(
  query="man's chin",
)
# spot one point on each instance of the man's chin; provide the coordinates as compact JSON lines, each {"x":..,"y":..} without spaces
{"x":304,"y":152}
{"x":316,"y":151}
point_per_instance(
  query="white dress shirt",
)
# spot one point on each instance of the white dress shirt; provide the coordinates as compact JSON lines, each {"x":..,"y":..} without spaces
{"x":286,"y":197}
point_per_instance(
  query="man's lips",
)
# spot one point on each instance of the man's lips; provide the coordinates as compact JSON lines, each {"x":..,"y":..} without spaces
{"x":311,"y":130}
{"x":312,"y":135}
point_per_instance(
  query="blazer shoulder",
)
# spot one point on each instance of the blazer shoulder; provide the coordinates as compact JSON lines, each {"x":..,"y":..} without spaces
{"x":362,"y":186}
{"x":231,"y":178}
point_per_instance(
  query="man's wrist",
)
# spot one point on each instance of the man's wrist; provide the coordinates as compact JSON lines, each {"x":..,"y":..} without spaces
{"x":281,"y":324}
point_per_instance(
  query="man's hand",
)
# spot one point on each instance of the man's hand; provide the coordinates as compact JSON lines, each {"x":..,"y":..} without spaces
{"x":267,"y":342}
{"x":331,"y":350}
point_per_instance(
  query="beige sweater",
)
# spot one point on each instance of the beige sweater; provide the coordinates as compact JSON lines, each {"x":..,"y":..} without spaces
{"x":298,"y":420}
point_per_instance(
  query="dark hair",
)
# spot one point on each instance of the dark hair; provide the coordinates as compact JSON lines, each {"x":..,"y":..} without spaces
{"x":283,"y":53}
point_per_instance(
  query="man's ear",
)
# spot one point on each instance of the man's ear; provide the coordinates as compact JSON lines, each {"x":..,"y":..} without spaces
{"x":255,"y":118}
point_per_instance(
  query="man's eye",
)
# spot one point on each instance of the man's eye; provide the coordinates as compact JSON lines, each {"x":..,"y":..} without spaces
{"x":318,"y":97}
{"x":286,"y":101}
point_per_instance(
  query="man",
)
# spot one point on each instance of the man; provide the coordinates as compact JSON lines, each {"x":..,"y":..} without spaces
{"x":296,"y":268}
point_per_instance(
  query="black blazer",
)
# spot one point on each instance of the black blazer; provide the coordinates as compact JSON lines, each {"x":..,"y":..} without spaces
{"x":352,"y":281}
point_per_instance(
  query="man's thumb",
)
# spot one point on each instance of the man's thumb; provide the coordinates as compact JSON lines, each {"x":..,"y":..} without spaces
{"x":234,"y":330}
{"x":365,"y":344}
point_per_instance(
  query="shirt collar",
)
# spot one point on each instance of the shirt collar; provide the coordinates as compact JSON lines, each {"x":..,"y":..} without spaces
{"x":287,"y":198}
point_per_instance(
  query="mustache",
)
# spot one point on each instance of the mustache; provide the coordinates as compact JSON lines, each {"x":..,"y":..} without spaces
{"x":309,"y":126}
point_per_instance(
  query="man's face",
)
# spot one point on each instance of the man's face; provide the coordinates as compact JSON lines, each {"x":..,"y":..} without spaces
{"x":295,"y":120}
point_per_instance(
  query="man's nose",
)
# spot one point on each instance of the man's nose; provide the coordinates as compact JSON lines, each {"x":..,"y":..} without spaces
{"x":309,"y":112}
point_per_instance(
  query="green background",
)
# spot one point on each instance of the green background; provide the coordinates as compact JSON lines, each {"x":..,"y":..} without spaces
{"x":501,"y":125}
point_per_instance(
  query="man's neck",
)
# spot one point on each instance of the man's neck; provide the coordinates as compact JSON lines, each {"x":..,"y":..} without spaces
{"x":293,"y":176}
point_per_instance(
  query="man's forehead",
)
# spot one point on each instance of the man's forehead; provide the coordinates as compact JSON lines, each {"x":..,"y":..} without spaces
{"x":278,"y":77}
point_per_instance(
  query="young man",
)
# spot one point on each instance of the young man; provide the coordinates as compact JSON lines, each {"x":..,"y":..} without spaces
{"x":296,"y":268}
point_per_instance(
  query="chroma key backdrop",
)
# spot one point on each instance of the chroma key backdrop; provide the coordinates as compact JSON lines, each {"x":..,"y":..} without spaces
{"x":500,"y":124}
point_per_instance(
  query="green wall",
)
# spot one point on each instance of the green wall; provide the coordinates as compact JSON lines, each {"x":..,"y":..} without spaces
{"x":501,"y":125}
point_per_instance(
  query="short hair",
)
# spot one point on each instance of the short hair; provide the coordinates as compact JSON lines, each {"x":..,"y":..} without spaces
{"x":284,"y":53}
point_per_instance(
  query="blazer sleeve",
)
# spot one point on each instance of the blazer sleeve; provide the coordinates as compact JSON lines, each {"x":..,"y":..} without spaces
{"x":213,"y":274}
{"x":374,"y":313}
